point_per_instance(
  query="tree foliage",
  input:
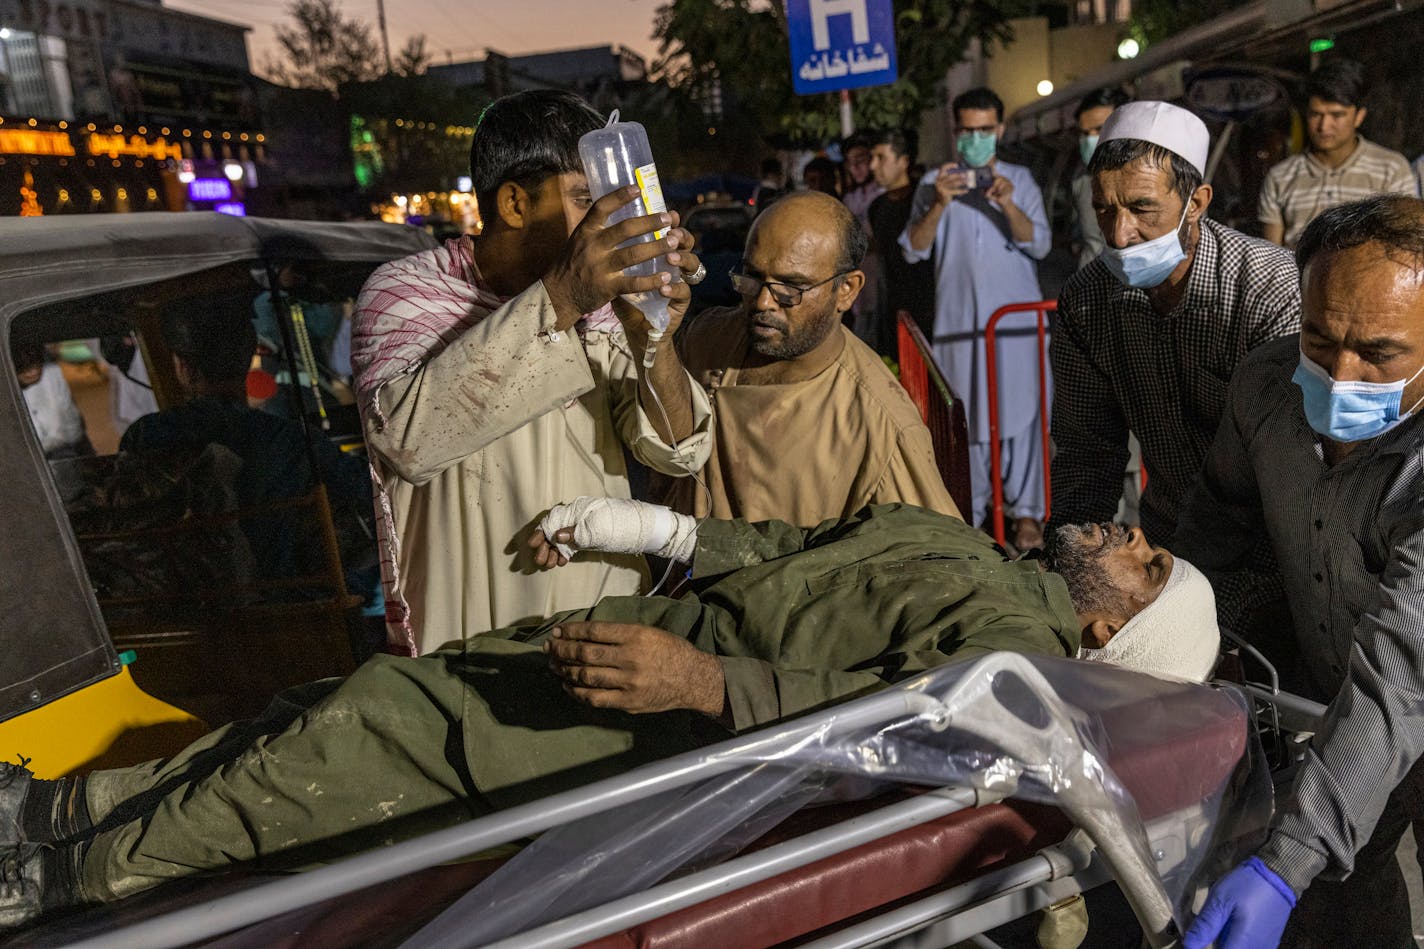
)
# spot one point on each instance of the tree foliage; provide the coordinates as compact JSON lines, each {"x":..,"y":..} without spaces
{"x":744,"y":45}
{"x":1156,"y":20}
{"x":323,"y":49}
{"x":413,"y":58}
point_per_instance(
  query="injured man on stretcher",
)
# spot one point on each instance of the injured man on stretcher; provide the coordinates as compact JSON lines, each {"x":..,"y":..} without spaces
{"x":778,"y":620}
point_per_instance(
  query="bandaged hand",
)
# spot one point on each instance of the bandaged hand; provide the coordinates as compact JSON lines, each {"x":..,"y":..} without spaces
{"x":617,"y":525}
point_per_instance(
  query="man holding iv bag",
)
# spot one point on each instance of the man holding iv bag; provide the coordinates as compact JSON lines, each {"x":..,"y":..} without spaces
{"x":505,"y":372}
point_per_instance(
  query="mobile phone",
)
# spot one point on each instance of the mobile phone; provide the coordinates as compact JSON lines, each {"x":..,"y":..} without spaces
{"x":978,"y":179}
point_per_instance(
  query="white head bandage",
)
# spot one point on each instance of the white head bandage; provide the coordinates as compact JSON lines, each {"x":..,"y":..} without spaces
{"x":1161,"y":123}
{"x":1175,"y":637}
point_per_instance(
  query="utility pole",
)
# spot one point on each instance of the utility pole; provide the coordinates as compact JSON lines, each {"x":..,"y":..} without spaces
{"x":385,"y":37}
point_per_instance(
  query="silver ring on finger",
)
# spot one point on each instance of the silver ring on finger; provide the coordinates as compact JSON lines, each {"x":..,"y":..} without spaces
{"x":697,"y":276}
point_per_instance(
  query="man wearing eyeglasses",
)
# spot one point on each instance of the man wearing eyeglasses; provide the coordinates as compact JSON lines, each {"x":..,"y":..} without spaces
{"x":983,"y":222}
{"x":808,"y":424}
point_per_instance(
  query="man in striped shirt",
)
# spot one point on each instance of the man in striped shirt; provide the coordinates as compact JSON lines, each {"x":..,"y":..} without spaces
{"x":1340,"y":165}
{"x":1322,"y":451}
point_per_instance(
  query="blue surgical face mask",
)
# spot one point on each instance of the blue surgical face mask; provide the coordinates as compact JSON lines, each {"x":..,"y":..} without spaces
{"x":1087,"y":144}
{"x":1149,"y":263}
{"x":976,"y":148}
{"x":1350,"y":411}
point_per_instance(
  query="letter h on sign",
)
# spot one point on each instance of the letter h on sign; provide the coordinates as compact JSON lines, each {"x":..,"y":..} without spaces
{"x":823,"y":10}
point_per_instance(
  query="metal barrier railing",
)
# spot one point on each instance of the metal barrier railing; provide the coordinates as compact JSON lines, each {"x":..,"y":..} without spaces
{"x":940,"y":409}
{"x":1041,"y":309}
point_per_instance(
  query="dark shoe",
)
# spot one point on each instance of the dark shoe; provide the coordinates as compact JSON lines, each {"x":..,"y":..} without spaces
{"x":21,"y":887}
{"x":14,"y":784}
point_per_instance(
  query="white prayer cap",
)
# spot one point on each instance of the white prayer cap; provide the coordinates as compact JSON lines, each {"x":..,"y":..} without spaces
{"x":1176,"y":636}
{"x":1164,"y":124}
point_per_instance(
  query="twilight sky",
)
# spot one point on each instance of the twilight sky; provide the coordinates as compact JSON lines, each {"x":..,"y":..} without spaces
{"x":463,"y":27}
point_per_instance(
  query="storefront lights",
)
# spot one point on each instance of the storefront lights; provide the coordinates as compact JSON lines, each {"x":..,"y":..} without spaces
{"x":209,"y":189}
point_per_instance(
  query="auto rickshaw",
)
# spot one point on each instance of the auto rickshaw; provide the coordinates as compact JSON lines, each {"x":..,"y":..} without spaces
{"x":77,"y":647}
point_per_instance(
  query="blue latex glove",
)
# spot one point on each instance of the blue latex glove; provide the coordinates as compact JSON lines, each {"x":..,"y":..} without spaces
{"x":1246,"y":909}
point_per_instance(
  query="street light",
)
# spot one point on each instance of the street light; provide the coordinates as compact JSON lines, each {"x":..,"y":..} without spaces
{"x":1128,"y":48}
{"x":1045,"y":87}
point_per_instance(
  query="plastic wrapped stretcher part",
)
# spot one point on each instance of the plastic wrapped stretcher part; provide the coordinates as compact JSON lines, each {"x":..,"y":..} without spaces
{"x":1035,"y":728}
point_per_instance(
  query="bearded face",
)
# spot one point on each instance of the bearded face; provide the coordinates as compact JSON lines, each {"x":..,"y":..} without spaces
{"x":1079,"y":554}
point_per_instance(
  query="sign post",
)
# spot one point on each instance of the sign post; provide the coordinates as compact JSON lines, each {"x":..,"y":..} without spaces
{"x":841,"y":44}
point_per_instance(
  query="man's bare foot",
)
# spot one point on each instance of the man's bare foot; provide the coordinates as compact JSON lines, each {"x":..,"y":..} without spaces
{"x":1028,"y":533}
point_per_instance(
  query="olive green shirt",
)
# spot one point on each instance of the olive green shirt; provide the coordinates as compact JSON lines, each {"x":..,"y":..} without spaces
{"x":800,"y":617}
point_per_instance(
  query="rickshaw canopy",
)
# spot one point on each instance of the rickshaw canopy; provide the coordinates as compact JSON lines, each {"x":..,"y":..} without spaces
{"x":53,"y":635}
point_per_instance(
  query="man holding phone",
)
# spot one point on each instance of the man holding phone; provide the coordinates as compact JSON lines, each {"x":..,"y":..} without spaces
{"x":983,"y":222}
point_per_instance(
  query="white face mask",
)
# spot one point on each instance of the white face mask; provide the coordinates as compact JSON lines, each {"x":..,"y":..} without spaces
{"x":1147,"y":264}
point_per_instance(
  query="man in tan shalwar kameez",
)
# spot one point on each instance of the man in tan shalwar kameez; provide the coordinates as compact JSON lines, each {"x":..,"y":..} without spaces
{"x":495,"y":380}
{"x":808,"y":423}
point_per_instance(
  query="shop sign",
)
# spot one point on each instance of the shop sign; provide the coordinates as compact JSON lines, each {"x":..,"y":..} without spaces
{"x":209,"y":189}
{"x":35,"y":142}
{"x":149,"y":89}
{"x":1232,"y":93}
{"x":135,"y":146}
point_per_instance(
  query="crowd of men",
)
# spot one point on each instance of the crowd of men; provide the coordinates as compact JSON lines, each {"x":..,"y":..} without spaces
{"x":509,"y":390}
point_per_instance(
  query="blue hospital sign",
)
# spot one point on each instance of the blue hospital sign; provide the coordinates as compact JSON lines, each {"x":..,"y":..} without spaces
{"x":841,"y":44}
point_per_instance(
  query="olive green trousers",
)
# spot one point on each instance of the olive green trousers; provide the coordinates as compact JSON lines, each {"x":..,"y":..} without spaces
{"x":399,"y":748}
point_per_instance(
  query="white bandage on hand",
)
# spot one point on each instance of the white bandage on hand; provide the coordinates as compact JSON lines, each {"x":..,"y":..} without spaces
{"x":620,"y":526}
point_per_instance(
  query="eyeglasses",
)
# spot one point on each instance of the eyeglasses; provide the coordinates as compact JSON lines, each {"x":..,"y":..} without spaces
{"x":783,"y":293}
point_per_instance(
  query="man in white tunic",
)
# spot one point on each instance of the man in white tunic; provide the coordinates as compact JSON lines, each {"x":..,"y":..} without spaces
{"x":984,"y":223}
{"x":58,"y":423}
{"x":495,"y":380}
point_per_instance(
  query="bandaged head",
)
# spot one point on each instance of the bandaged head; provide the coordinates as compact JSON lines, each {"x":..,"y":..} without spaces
{"x":1175,"y":636}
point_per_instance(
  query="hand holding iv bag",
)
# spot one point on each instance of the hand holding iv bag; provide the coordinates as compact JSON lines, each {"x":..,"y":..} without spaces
{"x":616,"y":156}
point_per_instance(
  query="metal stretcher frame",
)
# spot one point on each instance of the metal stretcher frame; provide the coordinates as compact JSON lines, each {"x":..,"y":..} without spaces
{"x":1007,"y":893}
{"x":1041,"y":309}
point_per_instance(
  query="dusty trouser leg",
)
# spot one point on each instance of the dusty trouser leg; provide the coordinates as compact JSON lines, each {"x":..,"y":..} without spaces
{"x":117,"y":796}
{"x":375,"y":760}
{"x":402,"y":747}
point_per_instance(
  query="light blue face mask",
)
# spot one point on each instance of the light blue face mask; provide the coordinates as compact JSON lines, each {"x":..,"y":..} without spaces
{"x":1350,"y":411}
{"x":1087,"y":144}
{"x":1149,"y":263}
{"x":976,"y":148}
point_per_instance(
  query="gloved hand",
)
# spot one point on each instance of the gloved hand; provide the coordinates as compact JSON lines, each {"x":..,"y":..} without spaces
{"x":1246,"y":909}
{"x":620,"y":526}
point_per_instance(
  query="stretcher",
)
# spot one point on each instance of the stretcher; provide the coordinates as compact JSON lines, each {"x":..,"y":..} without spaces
{"x":920,"y":815}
